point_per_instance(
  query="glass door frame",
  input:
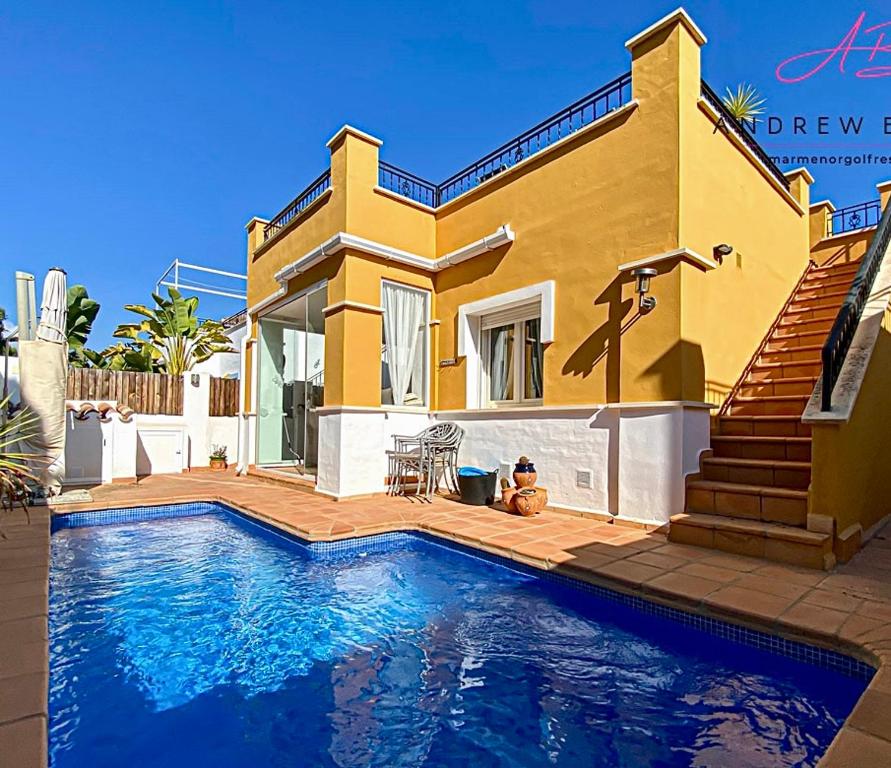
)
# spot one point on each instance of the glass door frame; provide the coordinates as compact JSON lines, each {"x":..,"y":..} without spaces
{"x":284,"y":463}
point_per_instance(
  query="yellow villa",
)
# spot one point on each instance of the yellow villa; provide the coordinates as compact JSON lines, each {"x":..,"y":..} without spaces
{"x":631,"y":293}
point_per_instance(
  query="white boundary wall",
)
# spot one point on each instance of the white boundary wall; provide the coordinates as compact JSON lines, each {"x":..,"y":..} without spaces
{"x":626,"y":460}
{"x":100,"y":451}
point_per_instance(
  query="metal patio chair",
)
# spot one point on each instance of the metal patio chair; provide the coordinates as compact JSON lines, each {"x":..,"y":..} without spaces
{"x":429,"y":455}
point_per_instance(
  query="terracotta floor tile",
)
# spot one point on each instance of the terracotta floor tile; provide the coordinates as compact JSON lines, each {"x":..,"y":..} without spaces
{"x":665,"y":562}
{"x":634,"y":574}
{"x":770,"y":586}
{"x":23,"y":744}
{"x":24,"y":659}
{"x":682,"y":551}
{"x":538,"y":550}
{"x":23,"y":607}
{"x":806,"y":577}
{"x":873,"y":714}
{"x":18,"y":575}
{"x":711,"y":572}
{"x":685,"y":586}
{"x":854,"y":749}
{"x":808,"y":616}
{"x":23,"y":696}
{"x":856,"y":626}
{"x":839,"y":601}
{"x":760,"y":604}
{"x":731,"y":562}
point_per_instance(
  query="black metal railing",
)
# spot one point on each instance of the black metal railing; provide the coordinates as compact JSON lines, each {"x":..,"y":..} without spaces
{"x":842,"y":334}
{"x":298,"y":204}
{"x":854,"y":217}
{"x":407,"y":184}
{"x":595,"y":105}
{"x":741,"y":129}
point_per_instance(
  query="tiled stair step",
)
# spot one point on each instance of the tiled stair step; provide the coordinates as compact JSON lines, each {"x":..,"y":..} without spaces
{"x":769,"y":405}
{"x":761,"y":472}
{"x":830,"y":282}
{"x":801,"y":339}
{"x":762,"y":426}
{"x":795,"y":314}
{"x":792,"y":385}
{"x":768,"y":504}
{"x":764,"y":447}
{"x":823,"y":288}
{"x":830,"y":297}
{"x":785,"y":369}
{"x":791,"y":354}
{"x":780,"y":543}
{"x":833,"y":271}
{"x":796,"y":325}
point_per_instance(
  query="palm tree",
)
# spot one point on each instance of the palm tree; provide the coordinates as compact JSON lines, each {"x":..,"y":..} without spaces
{"x":745,"y":104}
{"x":170,"y":337}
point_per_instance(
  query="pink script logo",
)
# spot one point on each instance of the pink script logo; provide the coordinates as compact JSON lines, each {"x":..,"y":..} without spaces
{"x":789,"y":70}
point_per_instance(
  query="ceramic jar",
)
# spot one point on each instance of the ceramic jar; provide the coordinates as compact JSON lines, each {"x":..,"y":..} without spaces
{"x":524,"y":473}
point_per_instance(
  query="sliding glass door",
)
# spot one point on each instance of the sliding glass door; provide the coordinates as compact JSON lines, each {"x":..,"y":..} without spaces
{"x":291,"y":383}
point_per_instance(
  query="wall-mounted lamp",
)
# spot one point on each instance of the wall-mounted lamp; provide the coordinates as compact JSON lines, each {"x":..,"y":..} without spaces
{"x":720,"y":251}
{"x":643,"y":276}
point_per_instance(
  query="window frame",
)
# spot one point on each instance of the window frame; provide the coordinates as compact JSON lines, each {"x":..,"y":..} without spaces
{"x":518,"y":318}
{"x":428,"y":302}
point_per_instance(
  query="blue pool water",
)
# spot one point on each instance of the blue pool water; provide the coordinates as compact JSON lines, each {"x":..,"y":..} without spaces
{"x":209,"y":641}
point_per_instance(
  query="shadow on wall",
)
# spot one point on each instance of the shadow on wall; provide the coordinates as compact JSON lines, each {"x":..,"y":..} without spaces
{"x":681,"y":370}
{"x":482,"y":266}
{"x":606,"y":341}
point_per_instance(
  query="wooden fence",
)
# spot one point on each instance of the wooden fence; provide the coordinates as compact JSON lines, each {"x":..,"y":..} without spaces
{"x":223,"y":397}
{"x":153,"y":393}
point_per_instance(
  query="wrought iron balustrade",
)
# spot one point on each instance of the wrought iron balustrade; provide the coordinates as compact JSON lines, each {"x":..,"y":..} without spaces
{"x":743,"y":132}
{"x":601,"y":102}
{"x":854,"y":217}
{"x":408,"y":185}
{"x":298,"y":204}
{"x":842,"y":334}
{"x":604,"y":100}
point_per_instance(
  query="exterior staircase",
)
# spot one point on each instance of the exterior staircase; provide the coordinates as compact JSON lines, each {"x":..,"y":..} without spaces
{"x":751,"y":494}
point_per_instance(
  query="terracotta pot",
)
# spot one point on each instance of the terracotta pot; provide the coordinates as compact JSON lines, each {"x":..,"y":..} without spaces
{"x":218,"y":464}
{"x":528,"y":504}
{"x":507,"y":496}
{"x":524,"y":473}
{"x":525,"y":479}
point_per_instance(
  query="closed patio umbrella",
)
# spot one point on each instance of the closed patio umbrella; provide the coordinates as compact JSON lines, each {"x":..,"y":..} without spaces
{"x":43,"y":373}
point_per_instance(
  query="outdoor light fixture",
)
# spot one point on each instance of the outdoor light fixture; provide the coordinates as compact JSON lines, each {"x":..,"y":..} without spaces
{"x":720,"y":251}
{"x":643,"y":276}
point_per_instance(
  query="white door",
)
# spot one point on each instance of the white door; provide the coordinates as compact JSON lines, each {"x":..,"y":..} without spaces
{"x":84,"y":447}
{"x":159,"y":451}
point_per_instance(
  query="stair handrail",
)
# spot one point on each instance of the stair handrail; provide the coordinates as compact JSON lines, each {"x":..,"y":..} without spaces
{"x":725,"y":406}
{"x":835,"y":350}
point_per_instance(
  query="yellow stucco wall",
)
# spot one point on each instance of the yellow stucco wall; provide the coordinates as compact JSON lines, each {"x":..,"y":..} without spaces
{"x":842,"y":249}
{"x":850,"y":481}
{"x":646,"y":181}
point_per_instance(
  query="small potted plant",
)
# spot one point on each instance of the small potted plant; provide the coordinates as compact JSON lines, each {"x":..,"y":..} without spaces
{"x":218,"y":457}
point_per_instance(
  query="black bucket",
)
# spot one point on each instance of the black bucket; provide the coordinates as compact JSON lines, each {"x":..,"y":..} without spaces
{"x":477,"y":487}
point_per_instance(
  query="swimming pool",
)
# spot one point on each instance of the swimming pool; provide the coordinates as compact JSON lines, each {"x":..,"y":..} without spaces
{"x":201,"y":638}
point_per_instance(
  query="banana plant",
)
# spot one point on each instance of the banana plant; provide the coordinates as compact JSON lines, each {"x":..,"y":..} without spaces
{"x":745,"y":104}
{"x":82,"y":311}
{"x":170,"y":337}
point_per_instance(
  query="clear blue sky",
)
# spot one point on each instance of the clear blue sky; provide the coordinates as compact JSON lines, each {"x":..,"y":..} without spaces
{"x":132,"y":133}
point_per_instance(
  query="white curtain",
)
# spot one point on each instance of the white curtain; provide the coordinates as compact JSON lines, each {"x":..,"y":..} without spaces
{"x":403,"y":314}
{"x":501,"y":366}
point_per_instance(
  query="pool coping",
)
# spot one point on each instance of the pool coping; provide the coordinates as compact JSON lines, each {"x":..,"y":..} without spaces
{"x":863,"y":740}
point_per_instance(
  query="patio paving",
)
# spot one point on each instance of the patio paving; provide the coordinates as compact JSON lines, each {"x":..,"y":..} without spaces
{"x":848,"y":609}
